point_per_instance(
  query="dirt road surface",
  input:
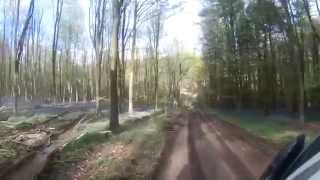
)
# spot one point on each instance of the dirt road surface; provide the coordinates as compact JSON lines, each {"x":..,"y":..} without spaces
{"x":205,"y":148}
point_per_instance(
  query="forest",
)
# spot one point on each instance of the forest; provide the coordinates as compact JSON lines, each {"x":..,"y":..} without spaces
{"x":263,"y":54}
{"x":159,"y":89}
{"x":111,"y":66}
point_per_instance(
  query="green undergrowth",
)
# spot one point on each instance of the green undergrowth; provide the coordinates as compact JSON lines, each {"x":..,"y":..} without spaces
{"x":147,"y":141}
{"x":132,"y":152}
{"x":4,"y":116}
{"x":276,"y":129}
{"x":4,"y":131}
{"x":26,"y":122}
{"x":9,"y":152}
{"x":78,"y":149}
{"x":312,"y":116}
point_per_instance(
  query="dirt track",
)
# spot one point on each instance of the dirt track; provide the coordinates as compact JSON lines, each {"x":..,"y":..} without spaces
{"x":205,"y":148}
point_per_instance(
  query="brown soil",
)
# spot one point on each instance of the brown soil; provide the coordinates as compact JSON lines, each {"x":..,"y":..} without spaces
{"x":207,"y":148}
{"x":88,"y":169}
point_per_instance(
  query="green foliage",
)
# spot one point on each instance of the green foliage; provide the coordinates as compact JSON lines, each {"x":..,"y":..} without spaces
{"x":86,"y":140}
{"x":24,"y":125}
{"x":11,"y":152}
{"x":273,"y":128}
{"x":254,"y":54}
{"x":197,"y":70}
{"x":264,"y":12}
{"x":6,"y":154}
{"x":77,"y":150}
{"x":139,"y":141}
{"x":26,"y":122}
{"x":312,"y":83}
{"x":148,"y":139}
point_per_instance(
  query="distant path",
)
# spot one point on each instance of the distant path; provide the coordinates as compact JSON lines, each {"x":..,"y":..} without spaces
{"x":205,"y":148}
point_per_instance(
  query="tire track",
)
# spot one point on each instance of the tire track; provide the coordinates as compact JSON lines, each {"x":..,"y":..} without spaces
{"x":205,"y":150}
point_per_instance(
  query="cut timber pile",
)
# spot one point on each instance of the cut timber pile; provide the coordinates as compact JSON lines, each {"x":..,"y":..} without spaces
{"x":60,"y":124}
{"x":22,"y":143}
{"x":33,"y":140}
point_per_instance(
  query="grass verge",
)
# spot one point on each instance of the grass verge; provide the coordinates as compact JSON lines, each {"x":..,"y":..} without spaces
{"x":276,"y":129}
{"x":132,"y":153}
{"x":135,"y":152}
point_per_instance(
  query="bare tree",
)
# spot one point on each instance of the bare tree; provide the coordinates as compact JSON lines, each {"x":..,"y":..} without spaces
{"x":19,"y":49}
{"x":294,"y":42}
{"x":97,"y":22}
{"x":55,"y":46}
{"x":317,"y":5}
{"x":116,"y":17}
{"x":156,"y":25}
{"x":141,"y":12}
{"x":3,"y":52}
{"x":315,"y":35}
{"x":124,"y":41}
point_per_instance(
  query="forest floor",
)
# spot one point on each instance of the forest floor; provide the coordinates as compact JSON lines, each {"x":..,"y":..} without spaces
{"x":131,"y":153}
{"x":69,"y":142}
{"x":30,"y":138}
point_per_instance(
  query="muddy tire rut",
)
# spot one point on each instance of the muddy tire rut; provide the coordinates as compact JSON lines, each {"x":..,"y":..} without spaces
{"x":206,"y":148}
{"x":30,"y":166}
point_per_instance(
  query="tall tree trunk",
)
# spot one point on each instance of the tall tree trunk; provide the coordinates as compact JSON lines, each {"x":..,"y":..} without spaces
{"x":114,"y":111}
{"x":16,"y":61}
{"x":19,"y":50}
{"x":60,"y":78}
{"x":293,"y":44}
{"x":157,"y":40}
{"x":98,"y":82}
{"x":300,"y":68}
{"x":122,"y":65}
{"x":55,"y":46}
{"x":4,"y":75}
{"x":315,"y":39}
{"x":130,"y":92}
{"x":98,"y":24}
{"x":133,"y":55}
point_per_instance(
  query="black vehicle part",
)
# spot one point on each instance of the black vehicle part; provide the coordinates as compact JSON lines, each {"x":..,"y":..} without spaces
{"x":305,"y":156}
{"x":284,"y":159}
